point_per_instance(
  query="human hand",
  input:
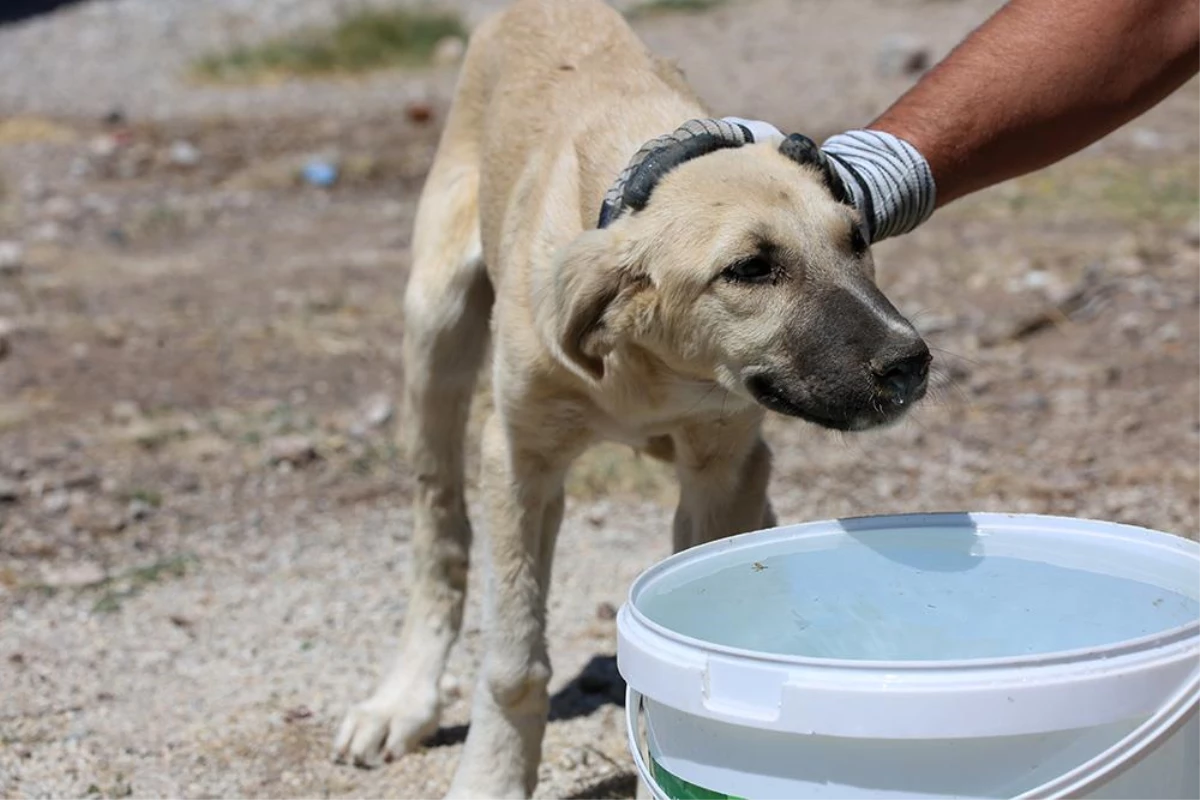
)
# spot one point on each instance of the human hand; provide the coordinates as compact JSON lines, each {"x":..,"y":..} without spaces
{"x":889,"y":182}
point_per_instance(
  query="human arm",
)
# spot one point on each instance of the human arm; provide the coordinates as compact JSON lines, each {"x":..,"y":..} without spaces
{"x":1040,"y":80}
{"x":1035,"y":83}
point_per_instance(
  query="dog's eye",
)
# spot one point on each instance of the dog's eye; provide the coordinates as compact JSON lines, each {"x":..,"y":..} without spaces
{"x":752,"y":270}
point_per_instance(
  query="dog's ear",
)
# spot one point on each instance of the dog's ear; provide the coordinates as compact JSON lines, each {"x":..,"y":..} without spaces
{"x":577,"y":305}
{"x":803,"y":150}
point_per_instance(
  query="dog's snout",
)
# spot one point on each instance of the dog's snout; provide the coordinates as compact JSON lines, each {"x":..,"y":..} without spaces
{"x":902,"y":378}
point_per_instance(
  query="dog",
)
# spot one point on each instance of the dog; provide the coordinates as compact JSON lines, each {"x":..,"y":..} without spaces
{"x":645,"y":274}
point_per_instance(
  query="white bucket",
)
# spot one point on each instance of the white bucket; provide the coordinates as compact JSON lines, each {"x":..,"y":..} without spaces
{"x":919,"y":656}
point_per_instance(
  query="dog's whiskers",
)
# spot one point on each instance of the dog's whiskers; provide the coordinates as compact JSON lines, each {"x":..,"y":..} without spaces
{"x":958,"y":356}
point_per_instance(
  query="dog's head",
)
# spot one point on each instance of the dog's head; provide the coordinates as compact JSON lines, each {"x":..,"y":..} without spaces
{"x":745,"y":265}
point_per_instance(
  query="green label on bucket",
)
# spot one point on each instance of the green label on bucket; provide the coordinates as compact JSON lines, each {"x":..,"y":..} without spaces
{"x":677,"y":788}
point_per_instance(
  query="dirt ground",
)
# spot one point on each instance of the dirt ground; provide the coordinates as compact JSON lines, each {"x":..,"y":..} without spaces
{"x":203,"y":515}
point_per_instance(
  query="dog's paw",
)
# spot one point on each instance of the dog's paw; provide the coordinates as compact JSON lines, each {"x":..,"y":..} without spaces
{"x":379,"y":730}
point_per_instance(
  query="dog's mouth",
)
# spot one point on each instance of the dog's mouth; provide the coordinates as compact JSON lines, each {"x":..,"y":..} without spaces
{"x":849,"y":417}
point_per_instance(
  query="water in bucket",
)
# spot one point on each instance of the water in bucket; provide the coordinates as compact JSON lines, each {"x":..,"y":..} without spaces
{"x":922,"y":656}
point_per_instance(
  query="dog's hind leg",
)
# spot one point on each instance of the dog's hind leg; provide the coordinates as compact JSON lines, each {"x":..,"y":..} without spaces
{"x":447,"y":305}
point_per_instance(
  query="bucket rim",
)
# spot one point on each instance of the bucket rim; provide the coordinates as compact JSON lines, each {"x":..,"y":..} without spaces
{"x":1157,"y":641}
{"x":1015,"y":695}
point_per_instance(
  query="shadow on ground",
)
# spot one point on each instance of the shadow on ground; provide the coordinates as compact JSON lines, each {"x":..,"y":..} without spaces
{"x":614,"y":786}
{"x":597,"y":684}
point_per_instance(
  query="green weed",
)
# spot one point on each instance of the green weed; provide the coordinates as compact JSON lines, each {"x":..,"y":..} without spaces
{"x":363,"y":41}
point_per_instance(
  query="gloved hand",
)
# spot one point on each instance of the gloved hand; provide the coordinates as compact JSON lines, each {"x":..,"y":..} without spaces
{"x":890,"y":181}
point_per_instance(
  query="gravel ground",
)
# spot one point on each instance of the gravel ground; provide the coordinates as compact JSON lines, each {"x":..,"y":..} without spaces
{"x":203,"y":517}
{"x":748,"y":57}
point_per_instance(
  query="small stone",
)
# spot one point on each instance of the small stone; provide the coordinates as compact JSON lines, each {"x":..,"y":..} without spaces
{"x":80,"y":168}
{"x":1131,"y":423}
{"x":135,"y":162}
{"x":61,"y":209}
{"x":99,"y":204}
{"x":1031,"y":401}
{"x":10,"y":491}
{"x":97,"y":518}
{"x":110,"y":332}
{"x":295,"y":450}
{"x":1131,"y":324}
{"x":125,"y":411}
{"x":297,"y":713}
{"x":12,"y":258}
{"x":33,"y":189}
{"x":418,"y":111}
{"x":103,"y":146}
{"x":1169,"y":332}
{"x":1191,"y":233}
{"x":183,"y":153}
{"x":1146,"y":139}
{"x":80,"y":479}
{"x":278,"y":174}
{"x":187,"y":483}
{"x":80,"y":574}
{"x":606,"y":611}
{"x":48,"y":231}
{"x":902,"y":56}
{"x":56,"y":502}
{"x":448,"y":51}
{"x":378,"y":411}
{"x":574,"y":758}
{"x":1036,"y":279}
{"x":139,"y":510}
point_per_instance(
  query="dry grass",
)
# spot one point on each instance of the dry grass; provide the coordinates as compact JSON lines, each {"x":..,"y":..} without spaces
{"x":366,"y":40}
{"x":1110,"y":188}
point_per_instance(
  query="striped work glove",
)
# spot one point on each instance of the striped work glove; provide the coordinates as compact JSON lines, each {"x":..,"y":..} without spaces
{"x":890,"y":182}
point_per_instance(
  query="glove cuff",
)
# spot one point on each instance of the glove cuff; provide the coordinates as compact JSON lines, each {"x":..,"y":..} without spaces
{"x":890,"y":181}
{"x":759,"y":131}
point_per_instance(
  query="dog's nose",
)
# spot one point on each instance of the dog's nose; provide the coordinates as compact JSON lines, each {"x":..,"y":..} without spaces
{"x":902,"y":378}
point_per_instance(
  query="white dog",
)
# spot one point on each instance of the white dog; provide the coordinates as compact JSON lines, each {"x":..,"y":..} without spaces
{"x":666,"y":302}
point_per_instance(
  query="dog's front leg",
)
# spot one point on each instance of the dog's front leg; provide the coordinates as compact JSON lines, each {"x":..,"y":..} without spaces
{"x":523,"y":494}
{"x":723,"y":481}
